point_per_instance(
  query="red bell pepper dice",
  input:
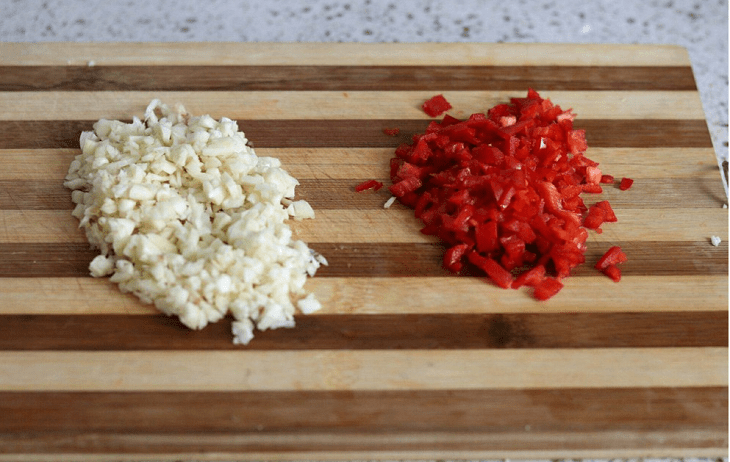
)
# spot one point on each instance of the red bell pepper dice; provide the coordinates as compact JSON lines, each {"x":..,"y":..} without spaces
{"x":613,"y":256}
{"x":436,"y":106}
{"x":494,"y":270}
{"x":612,"y":271}
{"x":453,"y":257}
{"x":548,"y":288}
{"x":405,"y":186}
{"x":369,"y":184}
{"x":531,"y":278}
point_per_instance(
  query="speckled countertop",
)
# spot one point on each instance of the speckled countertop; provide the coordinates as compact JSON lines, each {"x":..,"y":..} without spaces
{"x":699,"y":25}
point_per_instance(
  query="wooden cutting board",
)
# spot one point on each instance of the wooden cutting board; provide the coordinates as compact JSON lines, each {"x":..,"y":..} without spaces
{"x":404,"y":360}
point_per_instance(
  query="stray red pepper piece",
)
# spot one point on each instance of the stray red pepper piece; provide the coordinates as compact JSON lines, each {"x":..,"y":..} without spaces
{"x":613,"y":256}
{"x":607,"y":179}
{"x":436,"y":106}
{"x":613,"y":271}
{"x":391,"y":131}
{"x":625,"y":184}
{"x":368,"y":184}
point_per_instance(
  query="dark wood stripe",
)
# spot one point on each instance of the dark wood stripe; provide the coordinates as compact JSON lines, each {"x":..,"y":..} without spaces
{"x":655,"y":258}
{"x":315,"y":445}
{"x":170,"y":422}
{"x":339,"y":194}
{"x":367,"y":332}
{"x":34,"y":195}
{"x":368,"y":133}
{"x":345,"y":78}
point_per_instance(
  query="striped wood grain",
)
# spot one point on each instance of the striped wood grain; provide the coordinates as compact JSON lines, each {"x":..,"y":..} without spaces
{"x":404,"y":360}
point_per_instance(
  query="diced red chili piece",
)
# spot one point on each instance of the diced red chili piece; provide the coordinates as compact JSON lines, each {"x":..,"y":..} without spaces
{"x":606,"y":179}
{"x":612,"y":271}
{"x":407,"y":169}
{"x":420,"y":152}
{"x":436,"y":106}
{"x":391,"y":131}
{"x":592,"y":188}
{"x":593,"y":175}
{"x":448,"y":120}
{"x":531,"y":278}
{"x":625,"y":184}
{"x":595,"y":218}
{"x":610,"y":216}
{"x":487,"y":236}
{"x":599,"y":213}
{"x":405,"y":186}
{"x":577,"y":141}
{"x":494,"y":270}
{"x":453,"y":257}
{"x":369,"y":184}
{"x":614,"y":255}
{"x":547,"y":288}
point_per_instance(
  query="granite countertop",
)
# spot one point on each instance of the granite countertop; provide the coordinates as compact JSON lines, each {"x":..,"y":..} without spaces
{"x":700,"y":26}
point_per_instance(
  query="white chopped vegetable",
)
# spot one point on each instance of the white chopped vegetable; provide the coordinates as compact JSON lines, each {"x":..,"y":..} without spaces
{"x":187,"y":217}
{"x":715,"y":240}
{"x":389,"y":202}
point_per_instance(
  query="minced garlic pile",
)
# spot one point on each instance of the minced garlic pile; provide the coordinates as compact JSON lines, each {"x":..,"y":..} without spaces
{"x":187,"y":217}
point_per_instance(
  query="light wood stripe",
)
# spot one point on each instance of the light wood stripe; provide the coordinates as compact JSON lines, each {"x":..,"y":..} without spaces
{"x":361,"y":296}
{"x":400,"y":226}
{"x":347,"y":163}
{"x":373,"y":332}
{"x":394,"y":226}
{"x":437,"y":54}
{"x":337,"y":105}
{"x":465,"y":295}
{"x":363,"y":370}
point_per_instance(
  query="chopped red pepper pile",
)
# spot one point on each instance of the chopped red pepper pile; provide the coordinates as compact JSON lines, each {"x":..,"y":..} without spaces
{"x":502,"y":190}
